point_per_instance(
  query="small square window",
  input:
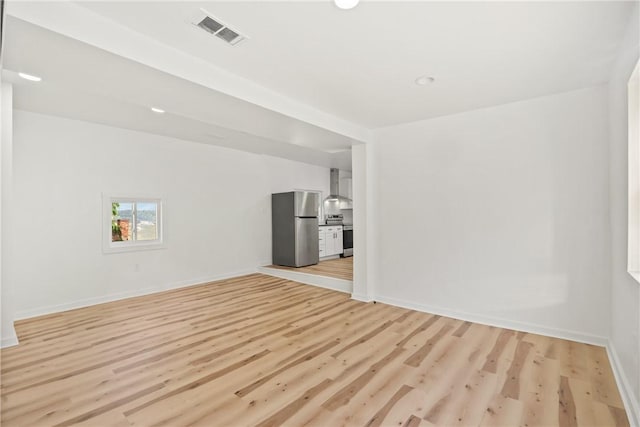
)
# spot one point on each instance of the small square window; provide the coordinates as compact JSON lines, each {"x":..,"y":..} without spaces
{"x":132,"y":223}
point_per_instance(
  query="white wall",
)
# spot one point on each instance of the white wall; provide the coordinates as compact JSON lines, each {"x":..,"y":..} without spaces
{"x":7,"y":333}
{"x":217,"y":210}
{"x":359,"y":156}
{"x":625,"y":299}
{"x":499,"y":215}
{"x":3,"y":323}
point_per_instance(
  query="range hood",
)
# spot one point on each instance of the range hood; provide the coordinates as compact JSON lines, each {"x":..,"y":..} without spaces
{"x":334,"y":201}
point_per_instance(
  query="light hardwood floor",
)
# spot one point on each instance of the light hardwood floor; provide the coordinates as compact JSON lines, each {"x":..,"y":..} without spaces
{"x":338,"y":268}
{"x":260,"y":350}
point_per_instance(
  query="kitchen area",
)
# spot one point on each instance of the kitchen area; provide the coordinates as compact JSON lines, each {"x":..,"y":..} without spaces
{"x":312,"y":233}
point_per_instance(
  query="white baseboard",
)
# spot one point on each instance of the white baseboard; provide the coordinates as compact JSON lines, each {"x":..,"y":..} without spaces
{"x":631,"y":403}
{"x":9,"y":341}
{"x":41,"y":311}
{"x":497,"y":322}
{"x":361,"y":297}
{"x":310,"y":279}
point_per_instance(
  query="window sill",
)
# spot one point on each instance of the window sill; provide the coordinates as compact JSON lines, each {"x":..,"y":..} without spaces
{"x":635,"y":275}
{"x":133,"y":248}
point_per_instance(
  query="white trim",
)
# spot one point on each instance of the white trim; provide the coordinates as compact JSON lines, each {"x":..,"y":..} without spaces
{"x":361,"y":298}
{"x":635,"y":275}
{"x":134,"y":247}
{"x":110,"y":247}
{"x":310,"y":279}
{"x":497,"y":322}
{"x":631,"y":404}
{"x":633,"y":173}
{"x":9,"y":341}
{"x":41,"y":311}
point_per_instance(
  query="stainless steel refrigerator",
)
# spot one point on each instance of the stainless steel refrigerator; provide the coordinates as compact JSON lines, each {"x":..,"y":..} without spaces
{"x":294,"y":228}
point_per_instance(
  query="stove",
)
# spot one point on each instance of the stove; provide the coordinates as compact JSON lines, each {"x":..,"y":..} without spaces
{"x":347,"y":241}
{"x":334,"y":219}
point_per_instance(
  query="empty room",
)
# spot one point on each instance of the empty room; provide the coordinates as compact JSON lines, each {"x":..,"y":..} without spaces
{"x":320,"y":213}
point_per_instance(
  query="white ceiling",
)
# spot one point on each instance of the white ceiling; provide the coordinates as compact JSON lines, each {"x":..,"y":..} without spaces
{"x":86,"y":83}
{"x":361,"y":64}
{"x":312,"y":80}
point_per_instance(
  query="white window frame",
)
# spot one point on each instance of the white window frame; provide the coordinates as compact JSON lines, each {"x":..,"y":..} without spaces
{"x":633,"y":219}
{"x":108,"y":246}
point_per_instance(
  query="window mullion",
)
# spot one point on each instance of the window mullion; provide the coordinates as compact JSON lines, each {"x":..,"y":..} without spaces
{"x":149,"y":220}
{"x":134,"y":214}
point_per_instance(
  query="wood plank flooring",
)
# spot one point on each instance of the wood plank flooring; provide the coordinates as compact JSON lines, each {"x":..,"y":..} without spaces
{"x":259,"y":350}
{"x":338,"y":268}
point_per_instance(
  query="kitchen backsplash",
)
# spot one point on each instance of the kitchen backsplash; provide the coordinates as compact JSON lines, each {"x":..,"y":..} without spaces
{"x":348,"y":216}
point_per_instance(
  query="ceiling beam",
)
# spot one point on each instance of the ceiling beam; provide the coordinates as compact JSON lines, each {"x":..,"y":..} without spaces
{"x":82,"y":24}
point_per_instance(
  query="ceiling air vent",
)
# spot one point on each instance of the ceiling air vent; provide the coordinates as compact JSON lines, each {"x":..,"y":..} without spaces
{"x":214,"y":26}
{"x":210,"y":25}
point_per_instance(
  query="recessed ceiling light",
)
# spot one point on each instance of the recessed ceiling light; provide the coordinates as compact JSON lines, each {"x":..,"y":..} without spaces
{"x":157,"y":110}
{"x":424,"y":80}
{"x":30,"y":77}
{"x":346,"y":4}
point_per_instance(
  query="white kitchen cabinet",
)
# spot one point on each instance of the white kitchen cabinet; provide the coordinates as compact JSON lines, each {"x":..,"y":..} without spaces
{"x":321,"y":244}
{"x":338,"y":241}
{"x":330,"y":240}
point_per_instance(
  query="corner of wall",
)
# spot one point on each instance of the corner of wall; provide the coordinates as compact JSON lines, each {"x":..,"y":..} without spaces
{"x":361,"y":298}
{"x":7,"y":333}
{"x":631,"y":403}
{"x":11,"y":340}
{"x":623,"y":344}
